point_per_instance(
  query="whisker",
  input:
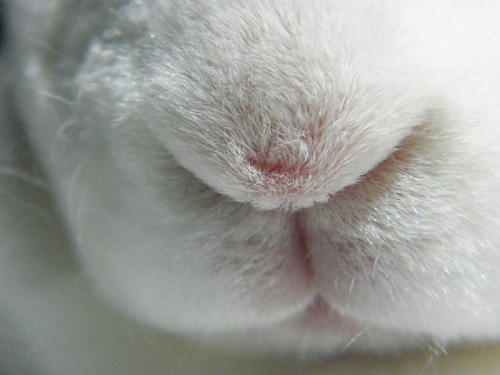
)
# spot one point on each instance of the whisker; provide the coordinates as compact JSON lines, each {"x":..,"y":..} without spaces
{"x":433,"y":353}
{"x":46,"y":47}
{"x":32,"y":180}
{"x":353,"y":339}
{"x":55,"y":97}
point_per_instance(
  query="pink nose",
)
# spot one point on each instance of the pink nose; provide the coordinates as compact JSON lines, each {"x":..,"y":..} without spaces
{"x":284,"y":185}
{"x":279,"y":168}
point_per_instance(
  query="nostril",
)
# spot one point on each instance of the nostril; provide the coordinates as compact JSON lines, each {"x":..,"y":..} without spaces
{"x":284,"y":184}
{"x":279,"y":168}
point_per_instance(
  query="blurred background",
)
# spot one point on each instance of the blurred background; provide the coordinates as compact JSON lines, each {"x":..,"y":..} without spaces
{"x":1,"y":23}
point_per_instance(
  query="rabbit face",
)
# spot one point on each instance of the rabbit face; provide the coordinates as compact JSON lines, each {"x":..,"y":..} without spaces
{"x":315,"y":171}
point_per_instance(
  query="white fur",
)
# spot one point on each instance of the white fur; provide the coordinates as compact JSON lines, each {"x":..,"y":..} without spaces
{"x":286,"y":176}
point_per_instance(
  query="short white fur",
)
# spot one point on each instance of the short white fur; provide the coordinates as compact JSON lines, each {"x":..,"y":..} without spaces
{"x":226,"y":166}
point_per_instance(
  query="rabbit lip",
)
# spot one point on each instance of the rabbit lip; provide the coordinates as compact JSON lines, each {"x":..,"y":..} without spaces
{"x":302,"y":250}
{"x":318,"y":311}
{"x":318,"y":315}
{"x":322,"y":319}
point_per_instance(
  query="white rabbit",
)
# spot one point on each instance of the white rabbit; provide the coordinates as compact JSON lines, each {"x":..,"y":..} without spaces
{"x":290,"y":177}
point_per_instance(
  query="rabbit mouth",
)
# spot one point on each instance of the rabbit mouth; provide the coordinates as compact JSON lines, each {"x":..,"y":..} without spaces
{"x":319,"y":317}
